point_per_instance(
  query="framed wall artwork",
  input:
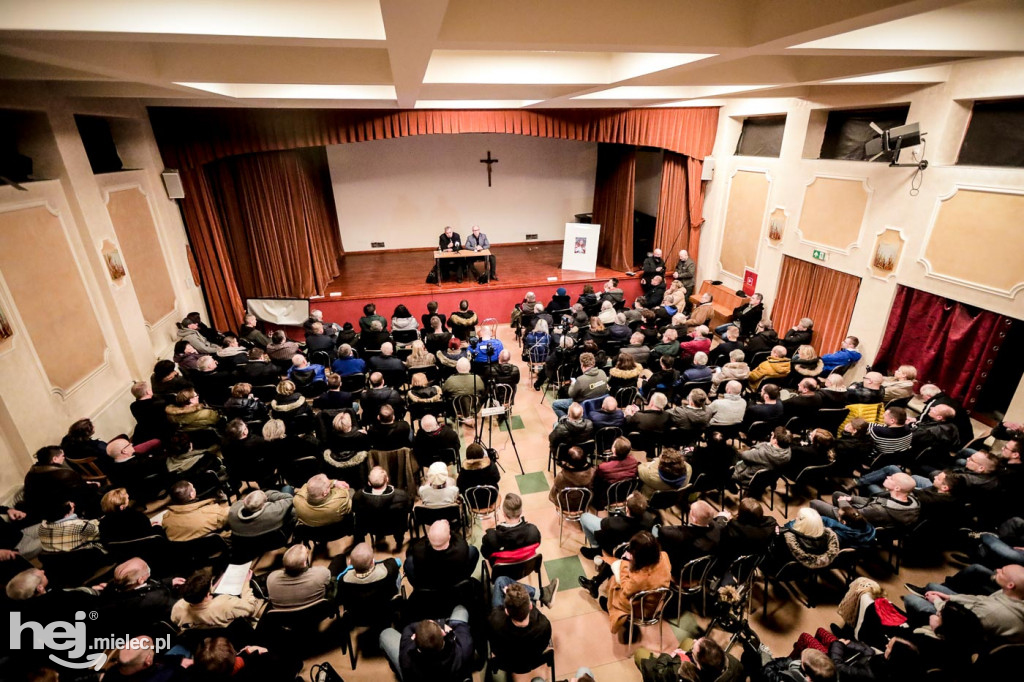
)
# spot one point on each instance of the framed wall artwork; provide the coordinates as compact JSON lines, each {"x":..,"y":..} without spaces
{"x":885,"y":257}
{"x":115,"y":264}
{"x":777,"y":226}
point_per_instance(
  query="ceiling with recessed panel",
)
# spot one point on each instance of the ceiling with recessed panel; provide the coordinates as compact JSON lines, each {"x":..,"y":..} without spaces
{"x":488,"y":54}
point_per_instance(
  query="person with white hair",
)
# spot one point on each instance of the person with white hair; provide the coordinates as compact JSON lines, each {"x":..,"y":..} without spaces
{"x":734,"y":370}
{"x":386,"y":361}
{"x":438,"y":489}
{"x":700,"y":370}
{"x":261,"y":512}
{"x":807,"y":540}
{"x":462,"y":383}
{"x":730,"y":406}
{"x":799,"y":335}
{"x":607,"y":314}
{"x":303,"y":366}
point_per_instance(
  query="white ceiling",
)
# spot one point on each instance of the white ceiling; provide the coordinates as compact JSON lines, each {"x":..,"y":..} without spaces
{"x":488,"y":53}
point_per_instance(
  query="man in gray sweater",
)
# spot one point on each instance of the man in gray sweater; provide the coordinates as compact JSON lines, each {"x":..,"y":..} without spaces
{"x":774,"y":454}
{"x":261,"y":512}
{"x":730,"y":406}
{"x":896,"y":507}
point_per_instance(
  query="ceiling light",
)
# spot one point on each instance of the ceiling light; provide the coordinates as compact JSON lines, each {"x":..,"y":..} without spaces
{"x":296,"y":90}
{"x":474,"y":103}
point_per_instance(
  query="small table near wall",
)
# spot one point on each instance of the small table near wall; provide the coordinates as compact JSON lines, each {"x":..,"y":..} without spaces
{"x":724,"y":301}
{"x":463,"y":254}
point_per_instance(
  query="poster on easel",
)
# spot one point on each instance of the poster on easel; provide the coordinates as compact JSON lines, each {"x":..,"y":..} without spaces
{"x":579,"y":251}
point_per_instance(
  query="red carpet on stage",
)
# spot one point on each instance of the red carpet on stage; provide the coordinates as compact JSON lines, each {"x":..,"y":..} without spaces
{"x":391,"y":277}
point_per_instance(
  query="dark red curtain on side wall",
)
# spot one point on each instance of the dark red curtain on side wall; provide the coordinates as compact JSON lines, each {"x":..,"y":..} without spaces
{"x":826,"y":296}
{"x":613,"y":204}
{"x":952,"y":345}
{"x":279,"y":222}
{"x":190,"y":138}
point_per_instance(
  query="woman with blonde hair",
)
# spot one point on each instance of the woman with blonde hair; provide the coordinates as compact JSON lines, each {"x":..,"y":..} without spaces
{"x":419,"y":357}
{"x":901,"y":383}
{"x":807,"y":541}
{"x":438,"y":489}
{"x":120,"y":521}
{"x":287,"y":405}
{"x":422,"y":391}
{"x":806,"y":362}
{"x":347,"y":444}
{"x":834,"y":391}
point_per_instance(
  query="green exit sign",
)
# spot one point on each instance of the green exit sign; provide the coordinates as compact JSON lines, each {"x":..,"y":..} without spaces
{"x":818,"y":255}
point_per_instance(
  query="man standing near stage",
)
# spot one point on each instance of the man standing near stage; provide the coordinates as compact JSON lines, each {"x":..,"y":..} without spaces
{"x":451,"y":242}
{"x":478,"y":242}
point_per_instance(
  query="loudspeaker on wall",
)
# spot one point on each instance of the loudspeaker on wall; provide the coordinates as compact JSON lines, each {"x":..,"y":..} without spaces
{"x":707,"y":172}
{"x":172,"y":183}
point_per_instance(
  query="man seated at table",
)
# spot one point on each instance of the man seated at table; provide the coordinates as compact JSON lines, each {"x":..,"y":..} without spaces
{"x":451,"y":242}
{"x":478,"y":242}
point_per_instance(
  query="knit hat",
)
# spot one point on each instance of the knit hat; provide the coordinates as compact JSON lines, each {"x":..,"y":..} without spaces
{"x":560,"y":291}
{"x":437,"y":475}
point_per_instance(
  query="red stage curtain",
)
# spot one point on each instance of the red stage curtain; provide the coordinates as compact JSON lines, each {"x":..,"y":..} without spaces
{"x":952,"y":345}
{"x":279,"y":221}
{"x":680,"y":207}
{"x":613,"y":204}
{"x":672,"y":230}
{"x":190,"y":138}
{"x":824,"y":295}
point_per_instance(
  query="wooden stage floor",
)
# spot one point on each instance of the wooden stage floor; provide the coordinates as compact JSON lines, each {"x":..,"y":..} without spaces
{"x":391,"y":277}
{"x":390,"y":273}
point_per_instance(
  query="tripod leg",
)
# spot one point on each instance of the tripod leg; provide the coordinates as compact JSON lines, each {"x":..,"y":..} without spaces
{"x":508,"y":423}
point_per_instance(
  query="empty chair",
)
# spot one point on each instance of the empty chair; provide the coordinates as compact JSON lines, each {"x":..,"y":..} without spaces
{"x":482,"y":502}
{"x":572,"y":503}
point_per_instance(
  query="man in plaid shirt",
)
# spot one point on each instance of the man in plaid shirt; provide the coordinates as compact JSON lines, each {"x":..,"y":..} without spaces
{"x":63,"y":531}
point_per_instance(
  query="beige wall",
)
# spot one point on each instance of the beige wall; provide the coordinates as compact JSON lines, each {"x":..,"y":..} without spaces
{"x":935,"y":219}
{"x":81,"y":338}
{"x":404,"y":191}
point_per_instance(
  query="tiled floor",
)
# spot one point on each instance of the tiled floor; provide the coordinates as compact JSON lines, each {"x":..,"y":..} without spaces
{"x":581,"y":632}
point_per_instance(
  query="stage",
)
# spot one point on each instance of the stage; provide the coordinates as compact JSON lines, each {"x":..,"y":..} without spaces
{"x":391,"y":277}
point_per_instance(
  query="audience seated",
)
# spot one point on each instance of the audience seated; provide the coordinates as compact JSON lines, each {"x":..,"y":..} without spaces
{"x":431,"y":650}
{"x":298,"y":583}
{"x":846,"y":355}
{"x":575,"y":472}
{"x":199,"y":607}
{"x":347,"y":363}
{"x":259,"y":513}
{"x":439,"y":560}
{"x":798,"y":336}
{"x":512,"y":539}
{"x":431,"y":439}
{"x":121,"y":522}
{"x":260,"y":371}
{"x":775,"y":367}
{"x":572,"y":429}
{"x":188,"y":413}
{"x":516,"y":630}
{"x":438,"y":489}
{"x":62,"y":530}
{"x":478,"y":469}
{"x":668,"y":471}
{"x":381,"y":509}
{"x":729,"y":408}
{"x":322,"y":502}
{"x":188,"y":518}
{"x":280,"y":348}
{"x":388,"y":433}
